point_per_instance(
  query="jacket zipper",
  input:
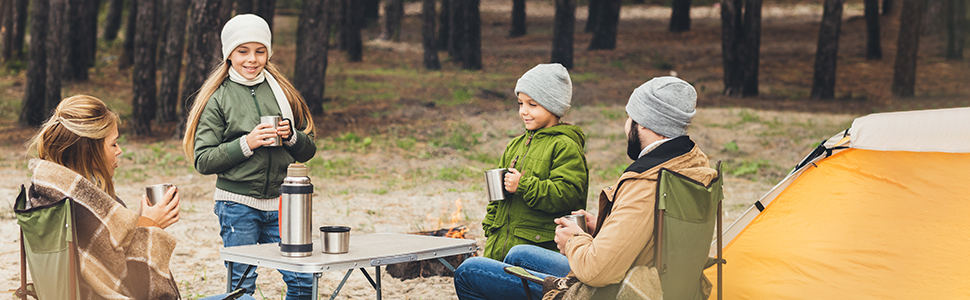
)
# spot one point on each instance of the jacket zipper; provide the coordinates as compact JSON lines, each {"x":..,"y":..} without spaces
{"x":252,"y":91}
{"x":508,"y":218}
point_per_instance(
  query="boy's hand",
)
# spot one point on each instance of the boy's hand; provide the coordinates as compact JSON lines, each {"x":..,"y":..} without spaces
{"x":512,"y":180}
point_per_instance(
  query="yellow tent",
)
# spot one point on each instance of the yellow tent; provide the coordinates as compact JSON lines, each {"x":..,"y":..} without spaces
{"x":881,"y":211}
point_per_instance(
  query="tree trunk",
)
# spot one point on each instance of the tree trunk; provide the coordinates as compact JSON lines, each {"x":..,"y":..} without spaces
{"x":873,"y":40}
{"x":33,"y":108}
{"x":225,"y":13}
{"x":202,"y":53}
{"x":934,"y":18}
{"x":393,"y":13}
{"x":82,"y":38}
{"x":56,"y":58}
{"x":312,"y":42}
{"x":352,"y":28}
{"x":444,"y":27}
{"x":112,"y":22}
{"x":6,"y":15}
{"x":827,"y":53}
{"x":605,"y":35}
{"x":595,"y":11}
{"x":370,"y":10}
{"x":564,"y":25}
{"x":19,"y":29}
{"x":457,"y":30}
{"x":887,"y":7}
{"x":168,"y":92}
{"x":731,"y":19}
{"x":244,"y":7}
{"x":907,"y":48}
{"x":740,"y":46}
{"x":473,"y":36}
{"x":143,"y":104}
{"x":751,"y":47}
{"x":266,"y":9}
{"x":518,"y":19}
{"x":956,"y":25}
{"x":428,"y":15}
{"x":339,"y":13}
{"x":680,"y":16}
{"x":128,"y":47}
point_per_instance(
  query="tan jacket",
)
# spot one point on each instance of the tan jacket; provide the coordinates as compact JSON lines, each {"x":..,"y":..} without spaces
{"x":624,"y":237}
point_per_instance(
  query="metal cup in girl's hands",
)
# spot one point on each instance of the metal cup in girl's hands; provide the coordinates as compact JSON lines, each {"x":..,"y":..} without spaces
{"x":275,"y":122}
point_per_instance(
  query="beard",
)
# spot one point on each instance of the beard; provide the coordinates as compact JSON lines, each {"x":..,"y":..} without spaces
{"x":633,"y":143}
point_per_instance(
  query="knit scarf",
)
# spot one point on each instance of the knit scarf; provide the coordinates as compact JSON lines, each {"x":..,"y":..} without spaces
{"x":273,"y":85}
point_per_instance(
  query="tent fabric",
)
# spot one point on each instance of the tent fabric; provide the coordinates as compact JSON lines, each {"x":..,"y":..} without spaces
{"x":47,"y":231}
{"x":942,"y":130}
{"x":868,"y":222}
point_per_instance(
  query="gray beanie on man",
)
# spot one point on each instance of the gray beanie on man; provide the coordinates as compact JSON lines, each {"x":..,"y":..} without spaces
{"x":549,"y":85}
{"x":664,"y":105}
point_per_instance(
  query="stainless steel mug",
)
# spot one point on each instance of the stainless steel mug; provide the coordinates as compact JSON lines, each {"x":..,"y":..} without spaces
{"x":335,"y":239}
{"x":579,"y":219}
{"x":156,"y":192}
{"x":495,"y":184}
{"x":275,"y":121}
{"x":295,"y":208}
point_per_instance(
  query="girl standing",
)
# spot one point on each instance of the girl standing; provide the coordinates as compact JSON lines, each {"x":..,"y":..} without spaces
{"x":224,"y":137}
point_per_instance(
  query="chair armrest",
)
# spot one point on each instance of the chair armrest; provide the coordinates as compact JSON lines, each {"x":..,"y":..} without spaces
{"x":523,"y":274}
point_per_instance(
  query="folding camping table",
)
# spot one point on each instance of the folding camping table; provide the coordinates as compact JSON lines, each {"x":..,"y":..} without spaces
{"x":375,"y":250}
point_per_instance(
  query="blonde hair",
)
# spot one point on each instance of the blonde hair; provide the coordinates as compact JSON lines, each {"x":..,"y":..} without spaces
{"x":301,"y":113}
{"x":74,"y":137}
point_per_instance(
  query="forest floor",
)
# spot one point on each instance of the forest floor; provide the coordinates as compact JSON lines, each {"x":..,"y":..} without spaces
{"x":402,"y":149}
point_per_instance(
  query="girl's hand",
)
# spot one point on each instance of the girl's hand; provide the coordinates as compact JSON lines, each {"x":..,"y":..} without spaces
{"x":260,"y":136}
{"x":166,"y":212}
{"x":512,"y":180}
{"x":283,"y":130}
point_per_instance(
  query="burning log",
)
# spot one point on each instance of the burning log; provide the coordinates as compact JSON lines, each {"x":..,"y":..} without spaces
{"x":431,"y":267}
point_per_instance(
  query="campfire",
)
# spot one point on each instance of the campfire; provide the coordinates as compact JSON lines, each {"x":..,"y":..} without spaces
{"x":433,"y":267}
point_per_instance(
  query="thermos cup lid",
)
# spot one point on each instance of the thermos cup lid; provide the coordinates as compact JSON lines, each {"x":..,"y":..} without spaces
{"x":296,"y":170}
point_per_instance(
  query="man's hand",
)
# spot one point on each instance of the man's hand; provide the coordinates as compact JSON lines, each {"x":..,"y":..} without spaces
{"x":564,"y":231}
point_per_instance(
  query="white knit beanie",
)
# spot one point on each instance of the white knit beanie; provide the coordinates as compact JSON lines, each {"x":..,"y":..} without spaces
{"x":243,"y":29}
{"x":549,"y":85}
{"x":665,"y":105}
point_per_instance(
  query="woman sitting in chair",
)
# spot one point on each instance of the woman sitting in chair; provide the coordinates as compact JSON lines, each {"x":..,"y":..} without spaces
{"x":122,"y":254}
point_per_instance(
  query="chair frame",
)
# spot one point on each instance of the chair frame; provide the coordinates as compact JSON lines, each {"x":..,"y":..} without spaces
{"x":25,"y":288}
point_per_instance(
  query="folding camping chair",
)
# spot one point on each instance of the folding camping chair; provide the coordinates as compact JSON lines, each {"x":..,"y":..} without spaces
{"x":47,"y":247}
{"x":686,"y":216}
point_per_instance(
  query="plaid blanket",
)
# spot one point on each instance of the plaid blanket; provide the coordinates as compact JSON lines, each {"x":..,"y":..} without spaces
{"x":118,"y":260}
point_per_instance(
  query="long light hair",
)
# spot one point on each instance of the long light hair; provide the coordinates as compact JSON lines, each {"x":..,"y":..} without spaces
{"x":301,"y":113}
{"x":74,"y":137}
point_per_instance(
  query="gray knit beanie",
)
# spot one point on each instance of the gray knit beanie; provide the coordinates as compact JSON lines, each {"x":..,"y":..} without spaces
{"x":664,"y":105}
{"x":549,"y":85}
{"x":243,"y":29}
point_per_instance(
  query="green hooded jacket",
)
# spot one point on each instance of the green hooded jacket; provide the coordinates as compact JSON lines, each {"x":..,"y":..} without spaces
{"x":555,"y":181}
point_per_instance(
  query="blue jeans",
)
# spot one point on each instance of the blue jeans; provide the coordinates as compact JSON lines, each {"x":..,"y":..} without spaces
{"x":244,"y":225}
{"x":485,"y":278}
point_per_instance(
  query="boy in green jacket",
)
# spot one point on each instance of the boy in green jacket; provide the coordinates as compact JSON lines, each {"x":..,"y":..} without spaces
{"x":548,"y":176}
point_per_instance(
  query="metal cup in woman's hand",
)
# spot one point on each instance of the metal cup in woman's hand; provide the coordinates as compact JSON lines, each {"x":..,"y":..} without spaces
{"x":275,"y":122}
{"x":579,"y":219}
{"x":156,"y":192}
